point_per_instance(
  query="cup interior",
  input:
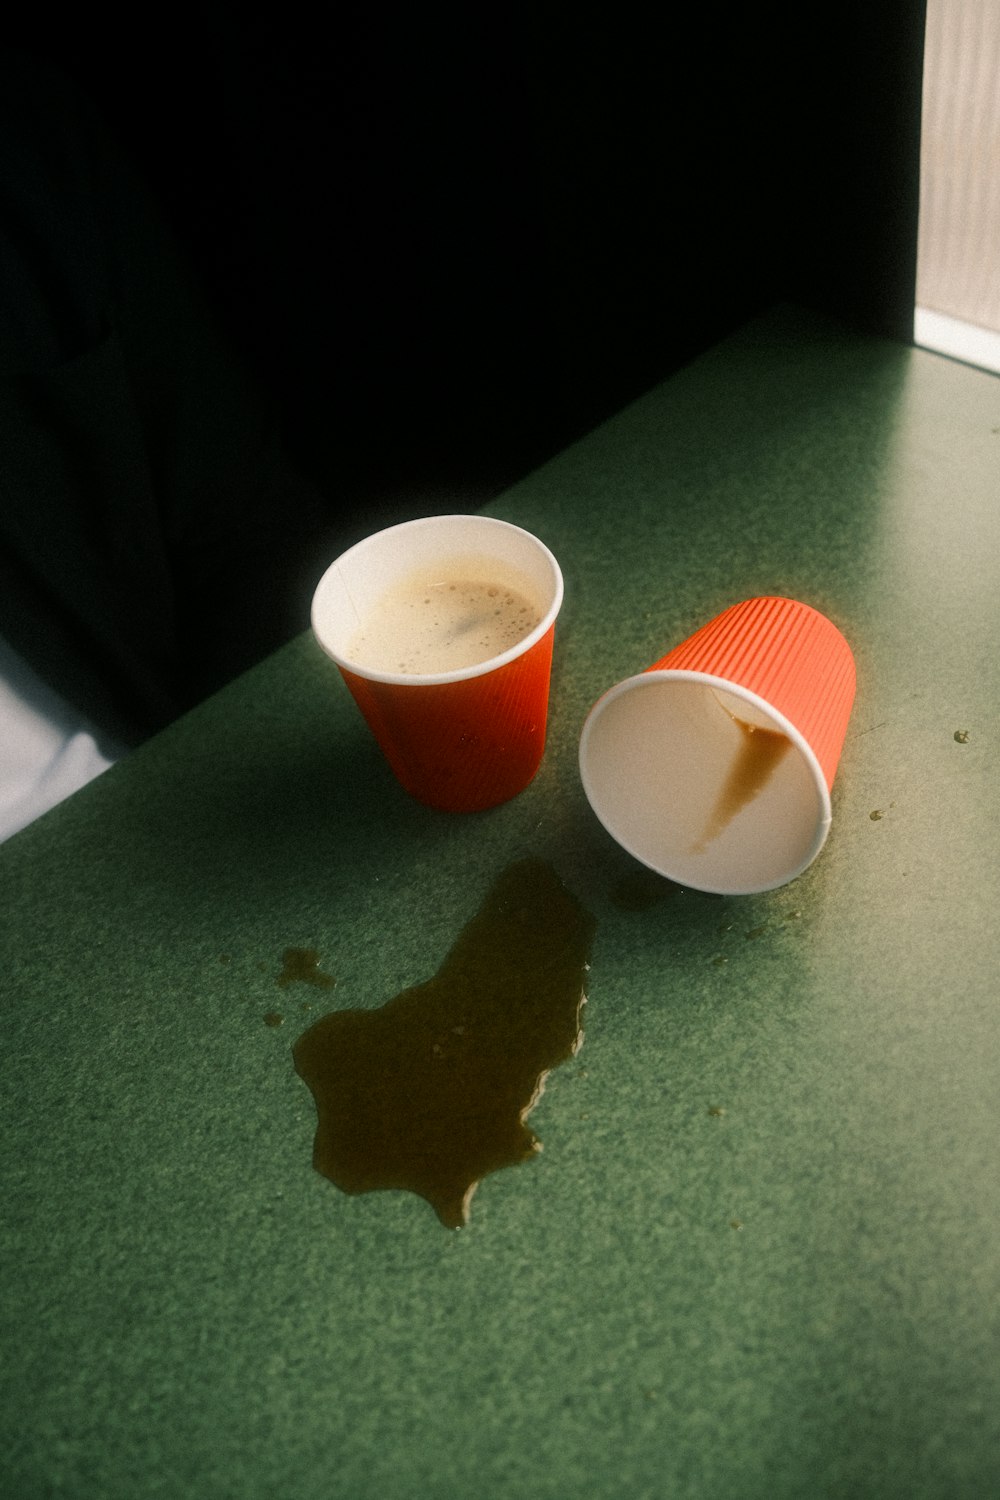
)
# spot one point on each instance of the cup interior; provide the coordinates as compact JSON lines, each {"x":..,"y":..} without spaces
{"x":704,"y":782}
{"x":365,"y":573}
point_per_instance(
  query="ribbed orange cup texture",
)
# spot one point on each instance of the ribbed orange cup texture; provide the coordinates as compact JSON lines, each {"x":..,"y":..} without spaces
{"x":463,"y":746}
{"x":791,"y":656}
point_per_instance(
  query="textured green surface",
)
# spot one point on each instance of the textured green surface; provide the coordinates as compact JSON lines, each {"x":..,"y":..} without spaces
{"x":759,"y":1253}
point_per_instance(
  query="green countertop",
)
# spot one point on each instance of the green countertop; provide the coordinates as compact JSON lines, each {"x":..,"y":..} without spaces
{"x":759,"y":1253}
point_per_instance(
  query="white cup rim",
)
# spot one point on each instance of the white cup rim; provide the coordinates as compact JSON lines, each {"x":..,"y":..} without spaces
{"x":461,"y":674}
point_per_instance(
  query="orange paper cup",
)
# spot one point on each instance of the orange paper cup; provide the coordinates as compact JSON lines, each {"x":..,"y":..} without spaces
{"x":714,"y":766}
{"x":457,"y":738}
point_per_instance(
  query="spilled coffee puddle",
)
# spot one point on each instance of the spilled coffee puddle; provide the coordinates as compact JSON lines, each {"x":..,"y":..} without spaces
{"x":756,"y":760}
{"x":430,"y":1092}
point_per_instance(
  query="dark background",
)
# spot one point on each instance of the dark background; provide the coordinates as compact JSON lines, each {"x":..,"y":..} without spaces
{"x":447,"y":246}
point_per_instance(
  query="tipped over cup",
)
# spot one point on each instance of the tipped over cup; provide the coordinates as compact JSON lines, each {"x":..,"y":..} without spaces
{"x":442,"y":629}
{"x":714,"y":766}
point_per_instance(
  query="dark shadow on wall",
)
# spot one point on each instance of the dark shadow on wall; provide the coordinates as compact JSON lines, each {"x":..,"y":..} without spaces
{"x":448,"y":251}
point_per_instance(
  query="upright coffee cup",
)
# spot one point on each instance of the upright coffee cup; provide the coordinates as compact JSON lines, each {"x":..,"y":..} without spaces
{"x":442,"y":629}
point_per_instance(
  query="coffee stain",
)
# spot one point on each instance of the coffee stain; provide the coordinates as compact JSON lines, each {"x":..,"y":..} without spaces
{"x":301,"y":966}
{"x":430,"y":1092}
{"x":758,"y":756}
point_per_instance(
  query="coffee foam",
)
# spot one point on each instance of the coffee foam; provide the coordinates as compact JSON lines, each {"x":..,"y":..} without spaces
{"x":453,"y":616}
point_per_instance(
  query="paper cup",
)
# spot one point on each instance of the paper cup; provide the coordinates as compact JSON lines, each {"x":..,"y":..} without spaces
{"x":714,"y":766}
{"x":458,"y":738}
